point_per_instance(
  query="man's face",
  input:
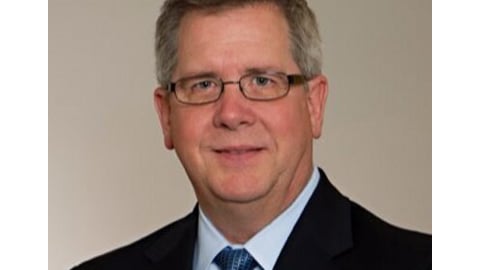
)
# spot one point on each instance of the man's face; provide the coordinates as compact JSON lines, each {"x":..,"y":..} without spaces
{"x":237,"y":150}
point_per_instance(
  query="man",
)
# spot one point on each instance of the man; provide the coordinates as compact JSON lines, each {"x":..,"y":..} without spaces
{"x":241,"y":99}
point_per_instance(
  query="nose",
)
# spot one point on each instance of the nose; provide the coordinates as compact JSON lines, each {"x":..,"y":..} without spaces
{"x":233,"y":110}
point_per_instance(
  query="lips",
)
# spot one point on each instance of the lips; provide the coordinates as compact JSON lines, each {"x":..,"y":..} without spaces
{"x":238,"y":155}
{"x":238,"y":150}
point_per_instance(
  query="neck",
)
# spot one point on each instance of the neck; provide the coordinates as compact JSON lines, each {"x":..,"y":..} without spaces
{"x":239,"y":222}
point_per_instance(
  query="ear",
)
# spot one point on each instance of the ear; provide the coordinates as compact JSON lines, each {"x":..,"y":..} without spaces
{"x":162,"y":106}
{"x":317,"y":99}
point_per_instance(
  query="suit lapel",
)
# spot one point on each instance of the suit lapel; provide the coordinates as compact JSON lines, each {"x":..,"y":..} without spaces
{"x":174,"y":249}
{"x":322,"y":231}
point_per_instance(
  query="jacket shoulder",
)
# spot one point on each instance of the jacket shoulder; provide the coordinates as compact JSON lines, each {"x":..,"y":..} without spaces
{"x":136,"y":255}
{"x":385,"y":246}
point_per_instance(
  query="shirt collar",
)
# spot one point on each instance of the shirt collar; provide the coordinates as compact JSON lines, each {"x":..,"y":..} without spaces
{"x":210,"y":241}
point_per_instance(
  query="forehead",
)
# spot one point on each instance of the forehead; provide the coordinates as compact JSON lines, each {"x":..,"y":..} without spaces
{"x":256,"y":15}
{"x":238,"y":38}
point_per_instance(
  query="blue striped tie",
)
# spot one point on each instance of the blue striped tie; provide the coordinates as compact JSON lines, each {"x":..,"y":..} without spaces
{"x":235,"y":259}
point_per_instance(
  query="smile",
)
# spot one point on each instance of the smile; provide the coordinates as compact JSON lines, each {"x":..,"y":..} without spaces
{"x":238,"y":151}
{"x":238,"y":154}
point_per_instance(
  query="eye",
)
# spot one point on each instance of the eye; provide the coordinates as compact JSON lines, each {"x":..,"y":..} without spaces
{"x":203,"y":85}
{"x":261,"y":81}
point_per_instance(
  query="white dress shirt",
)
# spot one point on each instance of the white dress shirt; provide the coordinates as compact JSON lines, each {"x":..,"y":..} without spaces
{"x":265,"y":246}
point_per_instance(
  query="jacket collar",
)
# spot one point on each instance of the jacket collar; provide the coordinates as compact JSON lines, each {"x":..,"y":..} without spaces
{"x":322,"y":231}
{"x":174,"y":248}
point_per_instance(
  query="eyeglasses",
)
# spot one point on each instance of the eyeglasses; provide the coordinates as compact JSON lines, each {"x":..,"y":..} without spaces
{"x":257,"y":86}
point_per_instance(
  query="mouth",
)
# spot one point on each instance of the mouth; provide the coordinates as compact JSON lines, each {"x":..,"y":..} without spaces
{"x":238,"y":153}
{"x":238,"y":150}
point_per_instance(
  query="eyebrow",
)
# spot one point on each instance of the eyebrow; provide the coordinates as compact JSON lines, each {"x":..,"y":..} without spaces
{"x":250,"y":70}
{"x":266,"y":69}
{"x":207,"y":74}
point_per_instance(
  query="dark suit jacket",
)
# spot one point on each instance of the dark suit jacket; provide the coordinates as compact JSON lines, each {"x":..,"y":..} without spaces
{"x":332,"y":233}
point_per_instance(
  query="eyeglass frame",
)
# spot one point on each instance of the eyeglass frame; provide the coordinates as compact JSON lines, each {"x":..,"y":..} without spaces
{"x":292,"y":79}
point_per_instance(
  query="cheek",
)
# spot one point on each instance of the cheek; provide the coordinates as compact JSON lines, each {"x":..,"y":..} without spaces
{"x":186,"y":130}
{"x":290,"y":123}
{"x":189,"y":128}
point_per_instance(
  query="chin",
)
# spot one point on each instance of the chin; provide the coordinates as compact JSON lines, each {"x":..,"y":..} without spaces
{"x":238,"y":198}
{"x":241,"y":189}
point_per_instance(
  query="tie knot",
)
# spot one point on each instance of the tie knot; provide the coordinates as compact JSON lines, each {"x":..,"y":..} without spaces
{"x":235,"y":259}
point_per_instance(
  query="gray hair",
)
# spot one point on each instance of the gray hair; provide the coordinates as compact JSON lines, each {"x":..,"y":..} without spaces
{"x":305,"y":42}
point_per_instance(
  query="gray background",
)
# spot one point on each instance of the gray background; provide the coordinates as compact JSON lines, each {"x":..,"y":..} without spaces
{"x":110,"y":179}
